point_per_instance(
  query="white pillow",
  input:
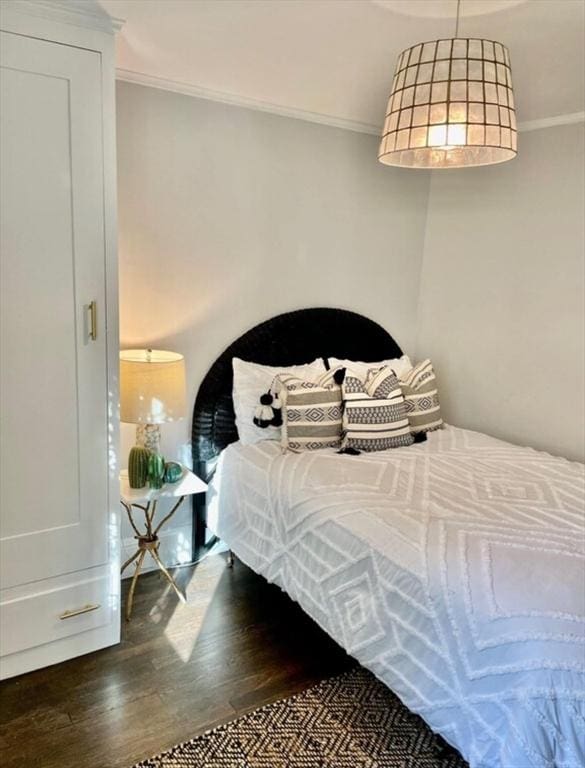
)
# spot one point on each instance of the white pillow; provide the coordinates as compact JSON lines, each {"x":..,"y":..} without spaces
{"x":252,"y":380}
{"x":400,"y":365}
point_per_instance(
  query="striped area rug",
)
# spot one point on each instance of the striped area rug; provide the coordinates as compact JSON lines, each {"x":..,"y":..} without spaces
{"x":349,"y":721}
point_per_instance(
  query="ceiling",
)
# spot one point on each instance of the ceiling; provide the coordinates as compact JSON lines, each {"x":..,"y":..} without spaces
{"x":335,"y":58}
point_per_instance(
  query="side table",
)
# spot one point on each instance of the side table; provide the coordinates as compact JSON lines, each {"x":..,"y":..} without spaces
{"x":146,"y":500}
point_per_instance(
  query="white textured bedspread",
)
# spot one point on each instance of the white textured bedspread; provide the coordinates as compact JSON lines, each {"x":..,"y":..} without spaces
{"x":453,"y":570}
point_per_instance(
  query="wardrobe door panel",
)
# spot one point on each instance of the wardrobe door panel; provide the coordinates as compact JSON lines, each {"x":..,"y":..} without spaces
{"x":53,"y":449}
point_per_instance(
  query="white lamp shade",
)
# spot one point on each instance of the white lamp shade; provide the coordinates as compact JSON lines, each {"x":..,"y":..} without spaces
{"x":451,"y":105}
{"x":152,"y":386}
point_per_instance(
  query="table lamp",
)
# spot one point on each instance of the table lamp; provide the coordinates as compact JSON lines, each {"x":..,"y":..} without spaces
{"x":152,"y":391}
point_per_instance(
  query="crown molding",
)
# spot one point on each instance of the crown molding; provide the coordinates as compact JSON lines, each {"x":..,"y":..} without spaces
{"x":552,"y":122}
{"x":199,"y":92}
{"x":186,"y":89}
{"x":88,"y":15}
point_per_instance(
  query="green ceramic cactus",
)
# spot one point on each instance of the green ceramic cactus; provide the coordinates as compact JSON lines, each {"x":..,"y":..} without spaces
{"x":138,"y":466}
{"x":156,"y":470}
{"x":173,"y":472}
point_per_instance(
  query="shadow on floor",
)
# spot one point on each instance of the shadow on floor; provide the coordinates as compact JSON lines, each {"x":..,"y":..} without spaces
{"x":238,"y":643}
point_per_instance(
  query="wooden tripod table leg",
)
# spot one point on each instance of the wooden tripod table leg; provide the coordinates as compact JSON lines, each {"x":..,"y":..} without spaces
{"x":129,"y":561}
{"x":148,"y":542}
{"x":130,"y":598}
{"x":169,"y":578}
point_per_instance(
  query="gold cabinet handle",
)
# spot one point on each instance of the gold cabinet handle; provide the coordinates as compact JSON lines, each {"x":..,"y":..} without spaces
{"x":92,"y":307}
{"x":79,"y":611}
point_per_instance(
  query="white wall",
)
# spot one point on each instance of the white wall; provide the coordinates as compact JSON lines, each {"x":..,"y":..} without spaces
{"x":230,"y":216}
{"x":501,"y":309}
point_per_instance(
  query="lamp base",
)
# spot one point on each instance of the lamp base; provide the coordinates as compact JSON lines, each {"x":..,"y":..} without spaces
{"x":148,"y":436}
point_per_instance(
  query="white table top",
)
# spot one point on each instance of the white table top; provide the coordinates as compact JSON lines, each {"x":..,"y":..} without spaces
{"x":188,"y":484}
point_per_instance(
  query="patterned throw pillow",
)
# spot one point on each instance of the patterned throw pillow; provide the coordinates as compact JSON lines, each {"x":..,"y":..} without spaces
{"x":374,"y":416}
{"x":252,"y":380}
{"x":400,"y":365}
{"x":311,"y":412}
{"x":419,"y":388}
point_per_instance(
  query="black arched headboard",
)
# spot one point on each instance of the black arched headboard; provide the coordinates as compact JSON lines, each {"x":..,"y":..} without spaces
{"x":288,"y":339}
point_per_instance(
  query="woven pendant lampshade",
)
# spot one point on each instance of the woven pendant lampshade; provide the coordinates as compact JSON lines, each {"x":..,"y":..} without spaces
{"x":451,"y":106}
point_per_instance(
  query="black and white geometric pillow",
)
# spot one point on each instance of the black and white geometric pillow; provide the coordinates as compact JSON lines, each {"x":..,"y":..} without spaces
{"x":419,"y":388}
{"x":311,"y":411}
{"x":374,"y":412}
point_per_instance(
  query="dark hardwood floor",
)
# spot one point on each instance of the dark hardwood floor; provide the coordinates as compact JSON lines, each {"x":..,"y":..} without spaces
{"x":179,"y":670}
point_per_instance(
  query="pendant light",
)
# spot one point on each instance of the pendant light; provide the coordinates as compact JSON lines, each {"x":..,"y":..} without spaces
{"x":451,"y":105}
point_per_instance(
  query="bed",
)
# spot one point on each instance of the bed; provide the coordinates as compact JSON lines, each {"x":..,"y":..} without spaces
{"x":452,"y":569}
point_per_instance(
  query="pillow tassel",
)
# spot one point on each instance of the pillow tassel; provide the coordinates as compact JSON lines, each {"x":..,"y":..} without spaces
{"x":339,"y":376}
{"x":264,"y":415}
{"x":276,"y":411}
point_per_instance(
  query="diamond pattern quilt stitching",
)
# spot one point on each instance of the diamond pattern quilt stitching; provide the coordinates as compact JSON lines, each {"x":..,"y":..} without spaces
{"x":440,"y":574}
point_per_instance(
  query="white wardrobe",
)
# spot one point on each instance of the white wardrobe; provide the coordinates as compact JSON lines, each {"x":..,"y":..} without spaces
{"x":59,"y":531}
